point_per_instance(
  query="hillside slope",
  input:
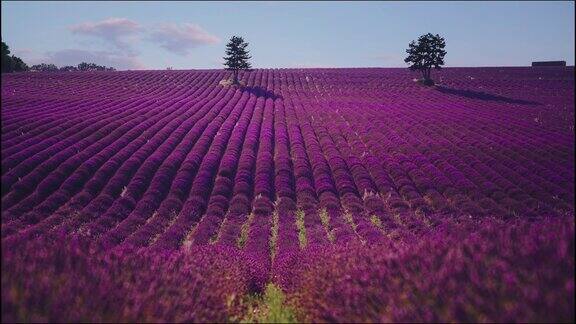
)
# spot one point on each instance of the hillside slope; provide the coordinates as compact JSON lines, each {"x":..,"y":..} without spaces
{"x":296,"y":159}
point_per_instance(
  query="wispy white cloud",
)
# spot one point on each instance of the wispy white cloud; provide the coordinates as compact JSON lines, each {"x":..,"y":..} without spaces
{"x":120,"y":32}
{"x":123,"y":35}
{"x":181,"y":39}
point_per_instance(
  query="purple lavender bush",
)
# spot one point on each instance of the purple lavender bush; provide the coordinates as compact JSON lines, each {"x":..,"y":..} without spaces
{"x":491,"y":271}
{"x":60,"y":280}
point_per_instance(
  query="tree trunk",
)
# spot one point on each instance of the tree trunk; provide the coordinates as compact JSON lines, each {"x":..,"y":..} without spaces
{"x":235,"y":77}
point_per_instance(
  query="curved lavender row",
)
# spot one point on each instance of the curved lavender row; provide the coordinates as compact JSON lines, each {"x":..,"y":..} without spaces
{"x":329,"y":186}
{"x":185,"y":121}
{"x":32,"y":123}
{"x":120,"y":84}
{"x":219,"y":201}
{"x":148,"y":201}
{"x":391,"y":187}
{"x":192,"y":182}
{"x":407,"y":191}
{"x":18,"y":113}
{"x":195,"y":204}
{"x":123,"y":174}
{"x":97,"y":220}
{"x":46,"y":83}
{"x":118,"y":138}
{"x":58,"y":103}
{"x":49,"y":127}
{"x":323,"y":182}
{"x":72,"y":185}
{"x":257,"y":246}
{"x":81,"y":153}
{"x":33,"y":169}
{"x":308,"y":176}
{"x":345,"y":189}
{"x":287,"y":237}
{"x":240,"y":205}
{"x":72,"y":143}
{"x":352,"y":174}
{"x":64,"y":113}
{"x":201,"y":166}
{"x":67,"y":83}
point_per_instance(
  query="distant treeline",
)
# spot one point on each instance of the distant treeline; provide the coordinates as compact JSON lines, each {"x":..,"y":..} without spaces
{"x":43,"y":67}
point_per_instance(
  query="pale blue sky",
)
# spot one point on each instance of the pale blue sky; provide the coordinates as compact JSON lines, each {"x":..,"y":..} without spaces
{"x":188,"y":35}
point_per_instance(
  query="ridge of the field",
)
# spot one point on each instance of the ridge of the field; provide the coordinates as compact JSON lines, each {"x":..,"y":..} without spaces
{"x":294,"y":159}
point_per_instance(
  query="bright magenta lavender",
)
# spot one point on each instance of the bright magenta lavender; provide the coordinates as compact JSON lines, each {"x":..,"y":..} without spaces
{"x":184,"y":198}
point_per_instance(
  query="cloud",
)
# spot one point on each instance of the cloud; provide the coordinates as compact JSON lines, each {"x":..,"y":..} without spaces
{"x":120,"y":32}
{"x":118,"y":60}
{"x":181,"y":39}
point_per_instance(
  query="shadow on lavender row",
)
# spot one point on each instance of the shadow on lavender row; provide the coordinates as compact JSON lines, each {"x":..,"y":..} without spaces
{"x":262,"y":92}
{"x":484,"y":96}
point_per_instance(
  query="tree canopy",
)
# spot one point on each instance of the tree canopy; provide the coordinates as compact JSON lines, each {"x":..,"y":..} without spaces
{"x":237,"y":57}
{"x":43,"y":67}
{"x":93,"y":67}
{"x":426,"y":54}
{"x":11,"y":63}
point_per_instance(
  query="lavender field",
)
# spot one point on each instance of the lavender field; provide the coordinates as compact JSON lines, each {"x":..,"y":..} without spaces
{"x":359,"y":194}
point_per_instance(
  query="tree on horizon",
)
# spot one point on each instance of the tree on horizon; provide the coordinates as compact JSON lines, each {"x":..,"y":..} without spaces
{"x":237,"y":57}
{"x":11,"y":63}
{"x":426,"y":54}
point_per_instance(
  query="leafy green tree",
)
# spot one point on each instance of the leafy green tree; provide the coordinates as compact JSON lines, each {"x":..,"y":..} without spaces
{"x":6,"y":59}
{"x":11,"y":63}
{"x":89,"y":67}
{"x":426,"y":54}
{"x":237,"y":57}
{"x":93,"y":67}
{"x":68,"y":68}
{"x":43,"y":67}
{"x":18,"y":65}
